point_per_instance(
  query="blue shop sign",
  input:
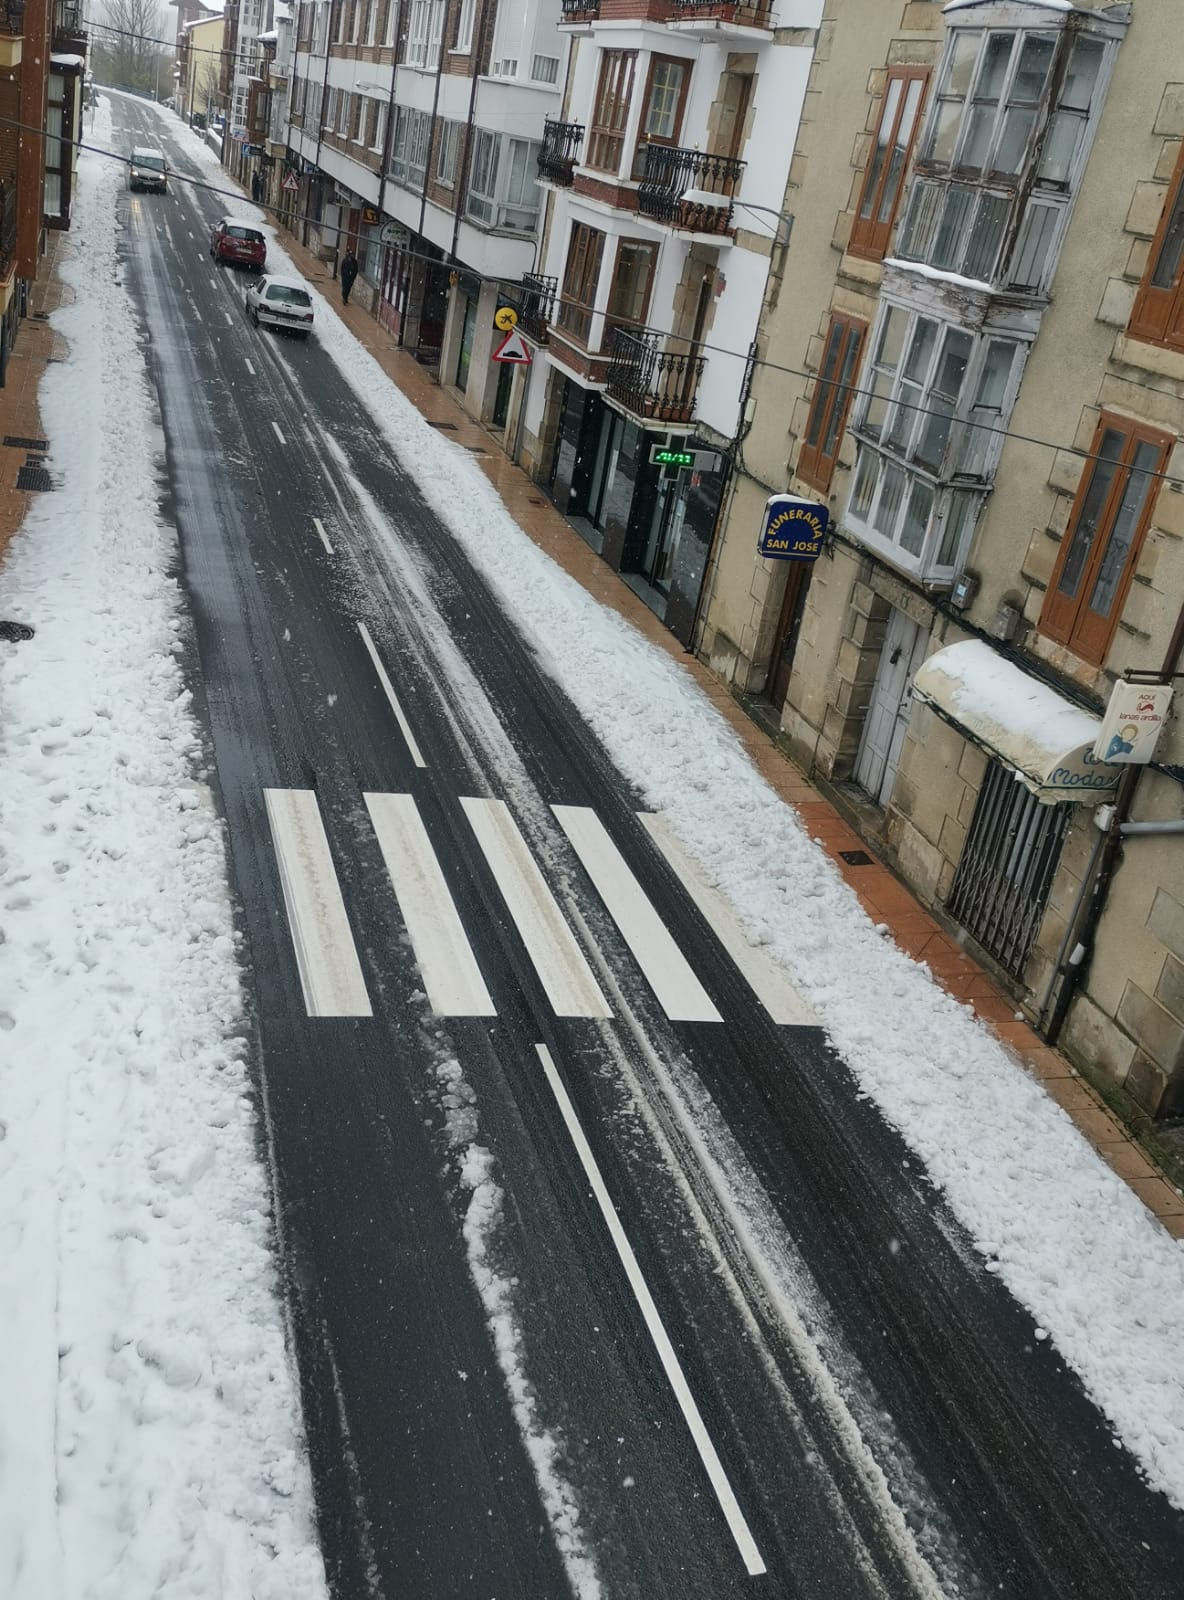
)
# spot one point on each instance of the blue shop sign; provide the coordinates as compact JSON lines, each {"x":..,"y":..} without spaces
{"x":793,"y":529}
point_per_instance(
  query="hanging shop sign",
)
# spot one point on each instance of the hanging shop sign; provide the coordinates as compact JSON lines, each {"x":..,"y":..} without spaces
{"x":505,"y":318}
{"x":662,"y":455}
{"x":393,"y":233}
{"x":1133,"y":722}
{"x":369,"y":216}
{"x":793,"y":529}
{"x":513,"y":348}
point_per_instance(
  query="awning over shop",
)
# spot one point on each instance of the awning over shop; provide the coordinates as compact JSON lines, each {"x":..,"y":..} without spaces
{"x":1045,"y":740}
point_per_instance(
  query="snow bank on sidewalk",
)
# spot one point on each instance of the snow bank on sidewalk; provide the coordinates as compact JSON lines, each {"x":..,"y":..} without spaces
{"x":150,"y":1444}
{"x":1067,"y":1236}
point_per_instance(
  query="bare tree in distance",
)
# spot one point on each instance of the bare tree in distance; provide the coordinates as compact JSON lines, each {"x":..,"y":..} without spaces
{"x":127,"y":53}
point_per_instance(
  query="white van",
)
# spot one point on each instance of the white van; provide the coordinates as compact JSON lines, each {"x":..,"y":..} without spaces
{"x":148,"y":170}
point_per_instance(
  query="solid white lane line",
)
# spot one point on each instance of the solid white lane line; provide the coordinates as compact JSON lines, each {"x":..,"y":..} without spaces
{"x":764,"y":976}
{"x":326,"y":957}
{"x":320,"y":527}
{"x":389,"y":691}
{"x":447,"y":965}
{"x":560,"y":963}
{"x":279,"y":434}
{"x":666,"y":969}
{"x":250,"y":368}
{"x":724,"y":1493}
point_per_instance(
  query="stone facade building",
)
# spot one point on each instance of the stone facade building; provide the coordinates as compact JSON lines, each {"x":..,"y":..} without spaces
{"x":974,"y":354}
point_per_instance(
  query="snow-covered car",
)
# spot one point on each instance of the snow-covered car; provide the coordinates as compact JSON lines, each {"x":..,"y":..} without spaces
{"x":238,"y":243}
{"x":280,"y":303}
{"x":148,"y":169}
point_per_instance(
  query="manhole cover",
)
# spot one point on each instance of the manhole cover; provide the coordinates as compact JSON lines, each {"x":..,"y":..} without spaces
{"x":25,"y":444}
{"x":856,"y":858}
{"x":33,"y":478}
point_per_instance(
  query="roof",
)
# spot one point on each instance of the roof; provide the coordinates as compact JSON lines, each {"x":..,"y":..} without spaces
{"x":1046,"y":740}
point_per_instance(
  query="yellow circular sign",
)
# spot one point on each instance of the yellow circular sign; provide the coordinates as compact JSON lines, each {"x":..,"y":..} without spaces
{"x":505,"y":318}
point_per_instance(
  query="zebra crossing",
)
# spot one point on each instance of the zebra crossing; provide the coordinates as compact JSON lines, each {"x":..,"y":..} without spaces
{"x":330,"y":972}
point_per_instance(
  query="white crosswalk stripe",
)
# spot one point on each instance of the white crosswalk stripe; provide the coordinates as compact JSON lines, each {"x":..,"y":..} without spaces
{"x":764,"y":977}
{"x":560,"y":963}
{"x":451,"y":976}
{"x":326,"y":958}
{"x":666,"y":969}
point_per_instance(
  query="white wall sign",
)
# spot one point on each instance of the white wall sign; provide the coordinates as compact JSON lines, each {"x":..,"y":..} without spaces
{"x":1132,"y":724}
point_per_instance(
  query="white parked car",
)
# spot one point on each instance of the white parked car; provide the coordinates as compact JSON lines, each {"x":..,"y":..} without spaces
{"x":280,"y":303}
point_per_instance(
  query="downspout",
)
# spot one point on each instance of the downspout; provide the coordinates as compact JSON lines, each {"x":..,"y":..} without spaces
{"x":1119,"y":824}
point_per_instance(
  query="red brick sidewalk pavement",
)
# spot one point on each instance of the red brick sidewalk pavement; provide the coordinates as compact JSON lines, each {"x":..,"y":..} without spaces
{"x":884,"y":898}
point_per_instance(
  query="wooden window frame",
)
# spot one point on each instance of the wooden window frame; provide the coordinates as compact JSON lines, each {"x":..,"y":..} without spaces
{"x":614,"y":94}
{"x":1069,"y":620}
{"x":832,"y":399}
{"x":1158,"y":315}
{"x":577,"y":300}
{"x":869,"y":238}
{"x":644,"y":138}
{"x":615,"y":319}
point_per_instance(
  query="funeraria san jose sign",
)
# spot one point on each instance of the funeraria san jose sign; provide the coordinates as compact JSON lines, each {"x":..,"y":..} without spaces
{"x":792,"y":529}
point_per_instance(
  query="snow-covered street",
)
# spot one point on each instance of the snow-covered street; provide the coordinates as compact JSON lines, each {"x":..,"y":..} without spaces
{"x":152,"y":1445}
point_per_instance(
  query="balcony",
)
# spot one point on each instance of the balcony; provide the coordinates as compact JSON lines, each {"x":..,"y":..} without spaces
{"x":721,"y":19}
{"x":690,"y":190}
{"x":559,"y":152}
{"x":69,"y":31}
{"x":655,"y":385}
{"x":536,"y":306}
{"x":578,"y":13}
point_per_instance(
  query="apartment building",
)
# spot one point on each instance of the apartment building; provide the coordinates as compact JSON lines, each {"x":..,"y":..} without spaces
{"x":200,"y":30}
{"x":43,"y":60}
{"x":984,"y":300}
{"x":666,"y":177}
{"x":415,"y":129}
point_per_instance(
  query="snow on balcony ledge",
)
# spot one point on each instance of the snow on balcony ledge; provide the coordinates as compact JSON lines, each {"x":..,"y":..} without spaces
{"x":936,"y":275}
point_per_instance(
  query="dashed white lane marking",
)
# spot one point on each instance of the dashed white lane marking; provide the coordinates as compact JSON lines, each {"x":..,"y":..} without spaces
{"x":324,"y":538}
{"x":250,"y":368}
{"x":392,"y":697}
{"x":229,"y":319}
{"x":451,"y":977}
{"x":279,"y":434}
{"x":724,"y":1493}
{"x":330,"y":974}
{"x":666,"y":969}
{"x":762,"y":974}
{"x":194,"y":312}
{"x":560,"y":963}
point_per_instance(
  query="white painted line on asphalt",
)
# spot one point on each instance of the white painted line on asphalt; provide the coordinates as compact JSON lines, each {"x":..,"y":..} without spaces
{"x":250,"y":368}
{"x":194,"y":312}
{"x":229,"y":319}
{"x":447,"y":965}
{"x":389,"y":691}
{"x":724,"y":1493}
{"x":666,"y":969}
{"x":552,"y":947}
{"x":324,"y":537}
{"x":279,"y":435}
{"x":326,"y":957}
{"x":763,"y":975}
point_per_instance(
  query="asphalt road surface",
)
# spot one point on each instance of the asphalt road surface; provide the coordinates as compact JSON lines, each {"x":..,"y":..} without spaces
{"x":599,"y":1270}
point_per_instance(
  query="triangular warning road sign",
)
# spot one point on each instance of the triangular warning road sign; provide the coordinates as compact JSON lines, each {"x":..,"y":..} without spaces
{"x":513,"y":348}
{"x":291,"y":183}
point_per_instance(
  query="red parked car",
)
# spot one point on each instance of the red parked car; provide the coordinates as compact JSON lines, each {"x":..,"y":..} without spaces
{"x":239,"y":244}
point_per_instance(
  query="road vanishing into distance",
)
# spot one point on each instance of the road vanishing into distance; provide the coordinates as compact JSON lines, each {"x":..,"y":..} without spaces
{"x":603,"y":1278}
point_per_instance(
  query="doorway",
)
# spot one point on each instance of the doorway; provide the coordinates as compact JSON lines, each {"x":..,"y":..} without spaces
{"x":789,"y":624}
{"x":666,"y":524}
{"x":464,"y":355}
{"x":887,"y":717}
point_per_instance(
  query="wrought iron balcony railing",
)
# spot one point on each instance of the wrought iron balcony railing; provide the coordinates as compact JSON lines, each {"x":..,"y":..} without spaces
{"x":655,"y":384}
{"x":688,"y":189}
{"x":559,"y":152}
{"x":579,"y":10}
{"x":7,"y":228}
{"x":756,"y":15}
{"x":536,"y":306}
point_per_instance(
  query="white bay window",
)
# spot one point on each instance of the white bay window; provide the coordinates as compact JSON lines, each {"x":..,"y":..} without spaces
{"x":927,"y":431}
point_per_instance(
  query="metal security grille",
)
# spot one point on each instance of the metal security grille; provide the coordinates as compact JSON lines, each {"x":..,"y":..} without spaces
{"x":1011,"y":852}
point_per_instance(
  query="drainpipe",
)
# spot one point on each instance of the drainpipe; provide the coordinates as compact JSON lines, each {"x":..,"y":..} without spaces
{"x":1119,"y":825}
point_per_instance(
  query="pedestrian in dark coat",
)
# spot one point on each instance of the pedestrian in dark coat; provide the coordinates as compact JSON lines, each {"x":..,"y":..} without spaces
{"x":349,"y":271}
{"x":256,"y":187}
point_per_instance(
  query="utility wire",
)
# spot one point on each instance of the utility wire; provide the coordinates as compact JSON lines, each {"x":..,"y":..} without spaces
{"x":517,"y":287}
